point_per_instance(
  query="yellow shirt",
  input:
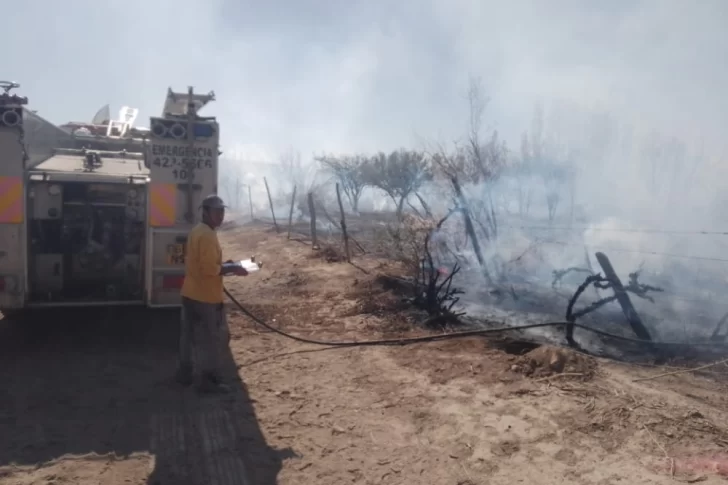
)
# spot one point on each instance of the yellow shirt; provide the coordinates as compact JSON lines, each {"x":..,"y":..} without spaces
{"x":203,"y":262}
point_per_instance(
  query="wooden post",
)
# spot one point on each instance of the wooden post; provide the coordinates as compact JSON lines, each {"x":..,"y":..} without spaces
{"x":591,"y":268}
{"x":343,"y":224}
{"x":290,"y":214}
{"x":623,"y":298}
{"x":470,"y":229}
{"x":270,"y":201}
{"x":250,"y":204}
{"x":312,"y":217}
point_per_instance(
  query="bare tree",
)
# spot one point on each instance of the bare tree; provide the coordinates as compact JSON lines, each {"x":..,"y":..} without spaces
{"x":532,"y":151}
{"x":558,"y":176}
{"x":487,"y":159}
{"x":296,"y":172}
{"x":491,"y":160}
{"x":349,"y":171}
{"x":553,"y":195}
{"x":522,"y":173}
{"x":399,"y":174}
{"x":304,"y":176}
{"x":477,"y":164}
{"x":544,"y":157}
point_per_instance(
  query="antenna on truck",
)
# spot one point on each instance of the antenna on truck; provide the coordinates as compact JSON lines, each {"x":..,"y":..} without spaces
{"x":7,"y":98}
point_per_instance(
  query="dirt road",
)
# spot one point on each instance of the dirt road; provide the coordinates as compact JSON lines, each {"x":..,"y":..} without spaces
{"x":86,"y":397}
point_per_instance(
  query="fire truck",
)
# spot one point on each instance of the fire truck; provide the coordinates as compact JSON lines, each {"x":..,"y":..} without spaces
{"x":97,"y":213}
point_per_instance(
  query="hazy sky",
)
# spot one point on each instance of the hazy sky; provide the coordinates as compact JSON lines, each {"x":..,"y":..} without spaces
{"x":369,"y":75}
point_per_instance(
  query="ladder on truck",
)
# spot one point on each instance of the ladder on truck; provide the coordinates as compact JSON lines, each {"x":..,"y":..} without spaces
{"x":127,"y":117}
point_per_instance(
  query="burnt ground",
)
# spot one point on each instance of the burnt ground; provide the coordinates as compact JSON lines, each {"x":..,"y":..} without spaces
{"x":85,"y":396}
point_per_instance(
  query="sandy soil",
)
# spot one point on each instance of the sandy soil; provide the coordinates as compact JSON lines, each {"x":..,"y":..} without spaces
{"x":86,"y":397}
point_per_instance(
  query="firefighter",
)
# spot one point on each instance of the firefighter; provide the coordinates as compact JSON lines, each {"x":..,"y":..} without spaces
{"x":203,"y":321}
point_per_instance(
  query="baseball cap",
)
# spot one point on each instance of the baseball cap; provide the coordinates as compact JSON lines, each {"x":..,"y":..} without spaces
{"x":213,"y":202}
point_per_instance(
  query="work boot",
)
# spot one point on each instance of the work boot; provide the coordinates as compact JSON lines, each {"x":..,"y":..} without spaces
{"x":211,"y":384}
{"x":184,"y":375}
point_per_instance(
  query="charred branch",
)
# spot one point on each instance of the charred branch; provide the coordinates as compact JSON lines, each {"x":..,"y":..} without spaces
{"x":559,"y":274}
{"x":639,"y":289}
{"x":595,"y":280}
{"x":424,"y":205}
{"x":604,"y":283}
{"x":434,"y":291}
{"x":634,"y":286}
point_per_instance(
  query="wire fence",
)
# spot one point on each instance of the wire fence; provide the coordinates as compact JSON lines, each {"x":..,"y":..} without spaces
{"x":325,"y":221}
{"x":265,"y":218}
{"x":638,"y":251}
{"x":620,"y":230}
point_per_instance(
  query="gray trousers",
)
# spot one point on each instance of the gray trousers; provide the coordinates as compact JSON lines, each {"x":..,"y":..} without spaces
{"x":204,"y":336}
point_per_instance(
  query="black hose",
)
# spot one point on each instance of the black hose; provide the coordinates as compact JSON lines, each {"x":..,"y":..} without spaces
{"x":466,"y":333}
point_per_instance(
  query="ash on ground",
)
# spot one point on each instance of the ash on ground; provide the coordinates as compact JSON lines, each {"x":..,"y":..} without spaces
{"x":686,"y":328}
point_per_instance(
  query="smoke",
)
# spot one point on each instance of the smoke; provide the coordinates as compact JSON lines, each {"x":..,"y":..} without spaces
{"x":365,"y":76}
{"x":652,"y":205}
{"x":632,"y":96}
